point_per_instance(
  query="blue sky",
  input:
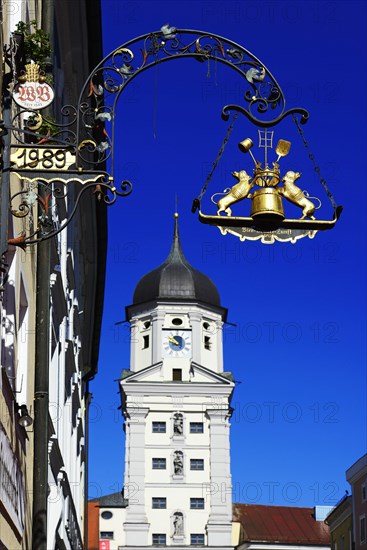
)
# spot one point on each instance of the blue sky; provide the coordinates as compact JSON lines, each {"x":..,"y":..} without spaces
{"x":298,"y":349}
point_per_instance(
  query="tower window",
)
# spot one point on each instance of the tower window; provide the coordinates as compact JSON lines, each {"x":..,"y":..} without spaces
{"x":196,"y":464}
{"x":177,"y":374}
{"x":106,"y":535}
{"x":197,"y":503}
{"x":159,"y":502}
{"x":176,"y":321}
{"x":196,"y":427}
{"x":207,"y":342}
{"x":106,"y":514}
{"x":362,"y":529}
{"x":159,"y":539}
{"x":147,"y":324}
{"x":159,"y":427}
{"x":158,"y":463}
{"x":146,"y":341}
{"x":197,"y":539}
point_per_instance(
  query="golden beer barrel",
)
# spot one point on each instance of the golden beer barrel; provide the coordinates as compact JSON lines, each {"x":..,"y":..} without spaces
{"x":267,"y":204}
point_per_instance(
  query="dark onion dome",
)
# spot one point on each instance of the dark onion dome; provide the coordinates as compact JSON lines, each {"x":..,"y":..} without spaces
{"x":176,"y":279}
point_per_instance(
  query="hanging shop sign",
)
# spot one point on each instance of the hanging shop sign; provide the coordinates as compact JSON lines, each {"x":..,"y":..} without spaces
{"x":264,"y":189}
{"x":33,"y":92}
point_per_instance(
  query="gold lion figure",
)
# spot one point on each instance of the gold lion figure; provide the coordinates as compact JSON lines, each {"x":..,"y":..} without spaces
{"x":295,"y":195}
{"x":237,"y":193}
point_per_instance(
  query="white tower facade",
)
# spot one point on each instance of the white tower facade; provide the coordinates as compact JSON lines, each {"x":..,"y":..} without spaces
{"x":176,"y":404}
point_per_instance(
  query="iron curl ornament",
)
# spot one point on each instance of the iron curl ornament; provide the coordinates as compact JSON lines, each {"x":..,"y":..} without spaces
{"x":38,"y":201}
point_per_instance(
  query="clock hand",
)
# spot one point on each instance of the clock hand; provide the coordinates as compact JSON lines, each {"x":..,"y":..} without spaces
{"x":171,"y":339}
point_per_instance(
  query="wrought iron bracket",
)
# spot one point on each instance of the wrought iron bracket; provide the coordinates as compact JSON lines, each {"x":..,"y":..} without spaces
{"x":264,"y":101}
{"x":36,"y":206}
{"x":81,"y":140}
{"x":89,"y":128}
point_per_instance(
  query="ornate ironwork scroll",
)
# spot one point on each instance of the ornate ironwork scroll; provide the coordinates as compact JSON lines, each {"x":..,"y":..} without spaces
{"x":264,"y":101}
{"x":40,"y":208}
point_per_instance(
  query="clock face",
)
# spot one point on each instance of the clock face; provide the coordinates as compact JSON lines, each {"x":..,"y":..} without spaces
{"x":177,"y":343}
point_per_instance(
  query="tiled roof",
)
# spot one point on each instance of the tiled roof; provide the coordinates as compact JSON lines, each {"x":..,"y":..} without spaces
{"x":344,"y":505}
{"x":115,"y":500}
{"x":285,"y":524}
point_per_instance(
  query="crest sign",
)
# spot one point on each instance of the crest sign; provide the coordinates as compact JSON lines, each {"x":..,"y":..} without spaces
{"x":33,"y":92}
{"x":34,"y":95}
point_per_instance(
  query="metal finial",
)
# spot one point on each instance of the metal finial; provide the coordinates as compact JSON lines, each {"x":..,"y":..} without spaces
{"x":175,"y":232}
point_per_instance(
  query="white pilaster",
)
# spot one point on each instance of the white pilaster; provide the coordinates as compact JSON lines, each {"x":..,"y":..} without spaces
{"x":219,"y":526}
{"x":133,"y":343}
{"x":136,"y":525}
{"x":158,"y":319}
{"x":197,"y":340}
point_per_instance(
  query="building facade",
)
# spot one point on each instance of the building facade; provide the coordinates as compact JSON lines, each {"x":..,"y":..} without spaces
{"x":340,"y":521}
{"x":75,"y":283}
{"x":176,"y":406}
{"x":357,"y":477}
{"x":254,"y":527}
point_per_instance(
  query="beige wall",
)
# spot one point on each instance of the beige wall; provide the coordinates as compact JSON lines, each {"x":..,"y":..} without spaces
{"x":342,"y":535}
{"x":17,"y":448}
{"x":360,"y":510}
{"x":357,"y":477}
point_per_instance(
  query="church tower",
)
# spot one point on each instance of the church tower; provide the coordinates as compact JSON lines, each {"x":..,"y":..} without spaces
{"x":176,"y":405}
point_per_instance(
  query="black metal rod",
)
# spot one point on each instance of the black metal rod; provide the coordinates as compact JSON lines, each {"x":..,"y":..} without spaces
{"x":41,"y":398}
{"x":5,"y":178}
{"x":41,"y":377}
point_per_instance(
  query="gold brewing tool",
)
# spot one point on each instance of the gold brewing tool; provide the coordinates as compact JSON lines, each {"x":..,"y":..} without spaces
{"x":282,"y":148}
{"x":245,"y":146}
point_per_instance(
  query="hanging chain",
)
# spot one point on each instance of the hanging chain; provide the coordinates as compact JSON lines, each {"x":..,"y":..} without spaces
{"x":316,"y":166}
{"x":196,"y":202}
